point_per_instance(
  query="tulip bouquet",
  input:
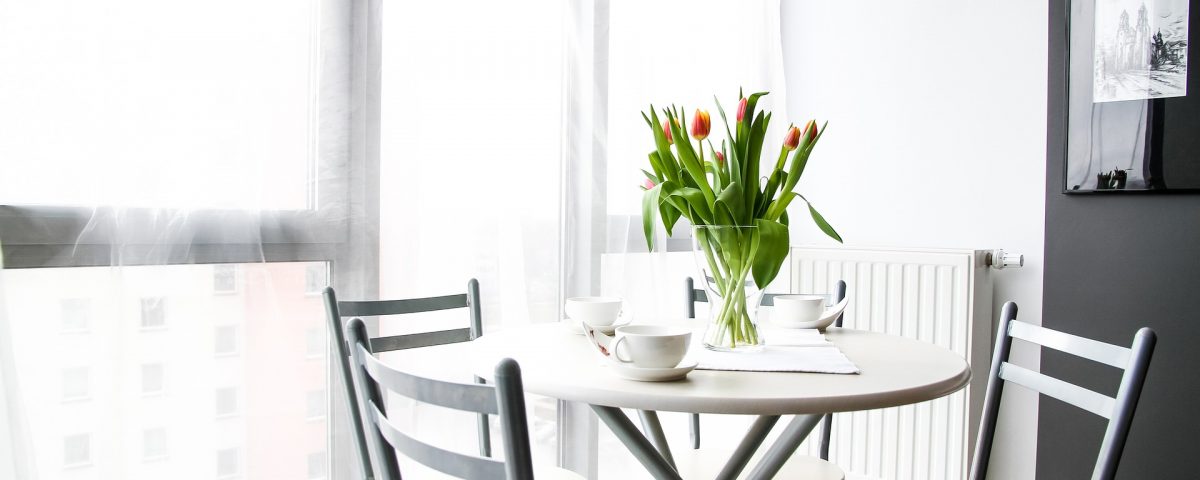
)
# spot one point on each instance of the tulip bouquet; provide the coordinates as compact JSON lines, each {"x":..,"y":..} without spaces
{"x":738,"y":213}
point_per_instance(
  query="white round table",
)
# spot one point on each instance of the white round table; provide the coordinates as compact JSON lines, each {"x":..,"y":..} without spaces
{"x":558,"y":363}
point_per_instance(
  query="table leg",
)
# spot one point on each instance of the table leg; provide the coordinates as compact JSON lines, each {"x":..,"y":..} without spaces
{"x":577,"y":448}
{"x":750,"y":443}
{"x":638,"y":445}
{"x":653,"y":429}
{"x":782,"y":449}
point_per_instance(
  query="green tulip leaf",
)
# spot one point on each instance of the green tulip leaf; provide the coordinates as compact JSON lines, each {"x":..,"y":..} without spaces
{"x":771,"y":252}
{"x":649,"y":207}
{"x":822,"y":224}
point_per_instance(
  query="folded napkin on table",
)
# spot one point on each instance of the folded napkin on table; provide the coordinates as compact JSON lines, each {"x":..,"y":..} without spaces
{"x":785,"y":351}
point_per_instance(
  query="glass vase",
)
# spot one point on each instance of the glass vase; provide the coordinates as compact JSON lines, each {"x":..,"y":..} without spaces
{"x":724,"y":255}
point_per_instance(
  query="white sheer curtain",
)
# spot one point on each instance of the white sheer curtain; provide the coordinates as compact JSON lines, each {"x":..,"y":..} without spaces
{"x":178,"y":185}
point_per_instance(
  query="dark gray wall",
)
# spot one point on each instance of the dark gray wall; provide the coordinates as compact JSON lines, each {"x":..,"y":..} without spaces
{"x":1115,"y":263}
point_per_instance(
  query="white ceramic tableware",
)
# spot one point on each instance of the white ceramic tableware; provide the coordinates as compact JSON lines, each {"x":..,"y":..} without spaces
{"x":576,"y":326}
{"x":597,"y":311}
{"x":800,"y":317}
{"x":791,"y":311}
{"x":653,"y":374}
{"x":651,"y":346}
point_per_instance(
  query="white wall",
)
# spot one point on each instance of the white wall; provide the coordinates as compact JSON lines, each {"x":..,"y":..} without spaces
{"x":937,"y":116}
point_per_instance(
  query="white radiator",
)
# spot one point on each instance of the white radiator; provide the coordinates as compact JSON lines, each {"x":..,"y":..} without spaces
{"x":938,"y":296}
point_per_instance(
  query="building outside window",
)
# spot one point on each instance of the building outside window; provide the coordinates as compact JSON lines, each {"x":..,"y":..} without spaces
{"x":227,"y":401}
{"x":154,"y":312}
{"x":75,"y":314}
{"x":154,"y":443}
{"x":153,"y":378}
{"x":77,"y":450}
{"x":225,"y":340}
{"x":225,"y":278}
{"x":228,"y":462}
{"x":315,"y":278}
{"x":76,"y":384}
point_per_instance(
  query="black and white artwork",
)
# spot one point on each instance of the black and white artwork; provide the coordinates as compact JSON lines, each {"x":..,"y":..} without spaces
{"x":1141,"y":49}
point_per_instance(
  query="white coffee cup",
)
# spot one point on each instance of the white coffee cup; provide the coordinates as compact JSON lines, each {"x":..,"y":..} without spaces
{"x":598,"y":311}
{"x":651,"y":346}
{"x":797,"y":311}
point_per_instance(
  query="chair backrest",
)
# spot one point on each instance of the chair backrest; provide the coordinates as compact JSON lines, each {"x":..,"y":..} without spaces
{"x":694,"y":295}
{"x":374,"y":379}
{"x":336,"y":311}
{"x":1134,"y":360}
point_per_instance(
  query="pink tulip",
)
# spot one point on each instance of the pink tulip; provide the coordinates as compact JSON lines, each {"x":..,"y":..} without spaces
{"x":720,"y":159}
{"x":648,"y":184}
{"x":667,"y":132}
{"x":741,"y":110}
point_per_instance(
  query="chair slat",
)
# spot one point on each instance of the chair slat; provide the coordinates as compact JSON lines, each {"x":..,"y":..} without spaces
{"x":459,"y":396}
{"x":1096,"y":403}
{"x":449,"y":462}
{"x":1074,"y":345}
{"x":417,"y":340}
{"x":370,"y":308}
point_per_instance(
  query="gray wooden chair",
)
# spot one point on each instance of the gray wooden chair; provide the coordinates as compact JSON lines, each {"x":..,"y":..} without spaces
{"x":372,"y":381}
{"x":1134,"y":360}
{"x":338,"y":311}
{"x":699,"y":295}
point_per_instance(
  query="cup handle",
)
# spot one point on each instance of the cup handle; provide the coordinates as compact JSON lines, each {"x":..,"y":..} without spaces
{"x":616,"y":350}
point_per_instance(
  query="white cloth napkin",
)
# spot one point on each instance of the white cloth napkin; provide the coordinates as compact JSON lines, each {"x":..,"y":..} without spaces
{"x":791,"y":351}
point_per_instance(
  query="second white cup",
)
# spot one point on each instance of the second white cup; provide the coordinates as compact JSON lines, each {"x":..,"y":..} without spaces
{"x":797,"y":311}
{"x":598,"y":311}
{"x":651,"y":346}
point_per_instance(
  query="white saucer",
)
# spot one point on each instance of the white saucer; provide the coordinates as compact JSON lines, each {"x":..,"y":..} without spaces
{"x":573,"y":326}
{"x":653,"y":374}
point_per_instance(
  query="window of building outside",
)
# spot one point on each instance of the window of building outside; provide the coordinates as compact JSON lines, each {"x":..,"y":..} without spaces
{"x":227,"y":401}
{"x":225,"y":340}
{"x":228,"y":462}
{"x":316,"y":466}
{"x":154,"y":313}
{"x":74,"y":314}
{"x":225,"y":279}
{"x":76,"y":383}
{"x":153,"y":378}
{"x":315,"y":404}
{"x":154,"y":443}
{"x":77,"y":450}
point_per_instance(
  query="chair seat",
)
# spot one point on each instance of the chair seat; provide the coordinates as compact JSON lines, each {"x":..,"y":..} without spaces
{"x":706,"y":463}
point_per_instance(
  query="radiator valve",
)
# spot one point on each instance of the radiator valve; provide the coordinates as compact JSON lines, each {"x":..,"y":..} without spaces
{"x":999,"y":259}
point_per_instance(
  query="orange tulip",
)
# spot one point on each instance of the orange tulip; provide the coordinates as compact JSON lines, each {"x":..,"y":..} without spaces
{"x":667,"y":132}
{"x":701,"y":124}
{"x":792,"y":140}
{"x":810,"y":131}
{"x":741,"y":110}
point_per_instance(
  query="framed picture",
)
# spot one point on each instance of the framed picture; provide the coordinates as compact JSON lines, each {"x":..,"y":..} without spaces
{"x":1133,"y":121}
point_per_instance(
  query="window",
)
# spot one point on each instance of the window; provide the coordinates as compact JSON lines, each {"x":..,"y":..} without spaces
{"x":316,"y":466}
{"x":225,"y":279}
{"x":315,"y":343}
{"x":77,"y":450}
{"x":315,"y":405}
{"x":228,"y":462}
{"x":74,"y":314}
{"x":227,"y":401}
{"x":153,"y":312}
{"x":315,"y":278}
{"x":225,"y":340}
{"x":153,"y":378}
{"x":154,"y":443}
{"x":75,"y":383}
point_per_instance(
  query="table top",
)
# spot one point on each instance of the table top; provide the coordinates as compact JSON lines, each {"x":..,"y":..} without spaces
{"x":557,"y":363}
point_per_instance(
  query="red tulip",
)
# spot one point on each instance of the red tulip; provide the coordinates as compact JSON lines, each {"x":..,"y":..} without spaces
{"x":720,"y":158}
{"x":667,"y":132}
{"x":792,"y":140}
{"x":810,"y":131}
{"x":741,"y":110}
{"x":701,"y":124}
{"x":648,"y":184}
